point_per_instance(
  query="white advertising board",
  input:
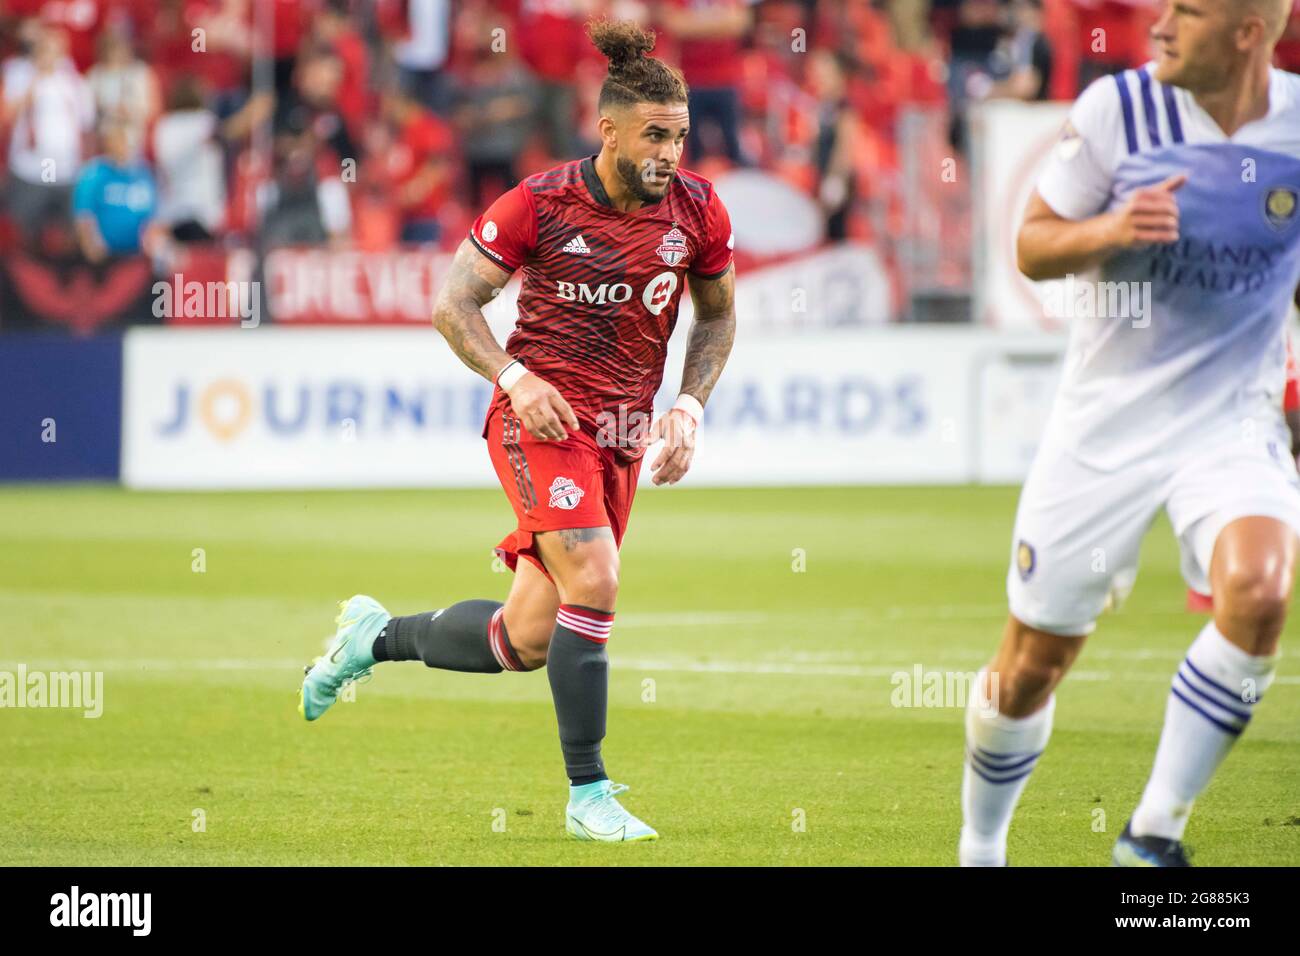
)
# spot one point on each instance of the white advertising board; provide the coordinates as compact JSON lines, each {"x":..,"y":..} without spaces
{"x":1010,"y":142}
{"x":391,"y":407}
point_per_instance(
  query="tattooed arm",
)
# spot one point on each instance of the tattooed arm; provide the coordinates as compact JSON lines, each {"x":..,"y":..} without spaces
{"x":712,"y":333}
{"x":472,"y":283}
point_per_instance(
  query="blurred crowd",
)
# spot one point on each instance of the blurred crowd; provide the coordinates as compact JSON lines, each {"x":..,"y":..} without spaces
{"x":141,"y":125}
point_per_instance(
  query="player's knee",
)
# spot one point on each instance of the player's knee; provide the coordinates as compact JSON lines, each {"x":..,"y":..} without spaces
{"x":1255,"y":597}
{"x":594,"y":585}
{"x":1029,"y":665}
{"x":533,"y":657}
{"x":531,"y":641}
{"x":1025,"y":682}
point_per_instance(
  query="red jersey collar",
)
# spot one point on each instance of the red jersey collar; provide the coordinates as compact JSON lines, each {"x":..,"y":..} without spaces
{"x":597,"y":189}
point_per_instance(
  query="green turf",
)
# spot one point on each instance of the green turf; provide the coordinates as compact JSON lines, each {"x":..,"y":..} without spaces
{"x":768,"y":702}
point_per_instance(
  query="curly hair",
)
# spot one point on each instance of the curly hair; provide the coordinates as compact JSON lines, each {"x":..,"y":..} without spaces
{"x":634,"y":76}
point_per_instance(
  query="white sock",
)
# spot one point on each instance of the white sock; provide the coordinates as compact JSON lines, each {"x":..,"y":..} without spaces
{"x":1001,"y":752}
{"x":1210,"y":702}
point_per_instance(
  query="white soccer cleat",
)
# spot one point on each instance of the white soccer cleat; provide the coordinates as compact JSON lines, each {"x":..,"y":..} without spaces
{"x":594,"y":814}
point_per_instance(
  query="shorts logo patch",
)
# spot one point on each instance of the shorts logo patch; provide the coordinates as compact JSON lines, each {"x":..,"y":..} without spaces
{"x":565,"y":494}
{"x":1026,"y":560}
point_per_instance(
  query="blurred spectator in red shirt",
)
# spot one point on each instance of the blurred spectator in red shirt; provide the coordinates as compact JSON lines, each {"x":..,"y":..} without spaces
{"x":1113,"y":35}
{"x":552,"y":40}
{"x":218,"y":56}
{"x":710,"y":34}
{"x":288,"y":19}
{"x":333,"y":28}
{"x":419,"y":165}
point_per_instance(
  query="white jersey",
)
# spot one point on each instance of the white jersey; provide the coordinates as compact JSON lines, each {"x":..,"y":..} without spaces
{"x":1200,"y":355}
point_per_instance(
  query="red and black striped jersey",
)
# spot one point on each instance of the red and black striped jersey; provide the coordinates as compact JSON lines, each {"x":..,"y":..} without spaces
{"x":601,"y":287}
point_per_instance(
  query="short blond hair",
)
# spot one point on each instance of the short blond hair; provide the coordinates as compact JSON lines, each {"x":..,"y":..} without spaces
{"x":1274,"y":13}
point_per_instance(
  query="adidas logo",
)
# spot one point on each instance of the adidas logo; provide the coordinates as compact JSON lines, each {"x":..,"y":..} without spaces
{"x":577,"y":246}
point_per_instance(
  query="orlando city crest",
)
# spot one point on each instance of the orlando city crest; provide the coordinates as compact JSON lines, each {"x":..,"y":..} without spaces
{"x":565,"y":494}
{"x":1026,"y":560}
{"x":1280,"y":206}
{"x":672,"y":249}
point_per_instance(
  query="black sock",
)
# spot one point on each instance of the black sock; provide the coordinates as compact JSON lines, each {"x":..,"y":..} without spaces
{"x":469,"y":636}
{"x":391,"y":645}
{"x":578,"y":668}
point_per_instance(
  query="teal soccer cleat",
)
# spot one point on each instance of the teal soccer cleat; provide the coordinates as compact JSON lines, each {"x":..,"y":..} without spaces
{"x":349,"y":657}
{"x":1133,"y":850}
{"x":594,"y":814}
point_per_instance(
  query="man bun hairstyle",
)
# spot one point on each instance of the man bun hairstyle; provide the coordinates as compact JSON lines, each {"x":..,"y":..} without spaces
{"x":634,"y":76}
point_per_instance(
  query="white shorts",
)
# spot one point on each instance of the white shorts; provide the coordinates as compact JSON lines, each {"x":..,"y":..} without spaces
{"x":1078,"y":530}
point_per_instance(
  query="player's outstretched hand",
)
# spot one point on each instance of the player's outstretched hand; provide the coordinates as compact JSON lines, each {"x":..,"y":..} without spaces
{"x":542,"y":409}
{"x":1149,"y":215}
{"x":677,"y":429}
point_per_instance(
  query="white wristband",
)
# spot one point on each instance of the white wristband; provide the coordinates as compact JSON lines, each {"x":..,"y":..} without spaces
{"x":512,"y":373}
{"x":691,"y":406}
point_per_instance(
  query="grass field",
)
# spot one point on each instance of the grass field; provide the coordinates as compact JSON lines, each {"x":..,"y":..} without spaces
{"x":745,"y":696}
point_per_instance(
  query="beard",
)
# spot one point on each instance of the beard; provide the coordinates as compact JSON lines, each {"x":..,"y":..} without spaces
{"x":1174,"y":73}
{"x":1207,"y":72}
{"x":637,"y":186}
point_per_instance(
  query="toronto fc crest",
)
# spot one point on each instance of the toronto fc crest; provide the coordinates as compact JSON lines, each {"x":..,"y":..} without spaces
{"x":673,"y":248}
{"x":565,"y":494}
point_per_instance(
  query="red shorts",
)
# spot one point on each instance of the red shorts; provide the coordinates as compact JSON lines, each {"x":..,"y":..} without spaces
{"x":553,"y":485}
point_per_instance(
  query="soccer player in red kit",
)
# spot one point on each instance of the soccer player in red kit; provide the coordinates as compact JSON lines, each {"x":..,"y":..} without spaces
{"x":606,"y":246}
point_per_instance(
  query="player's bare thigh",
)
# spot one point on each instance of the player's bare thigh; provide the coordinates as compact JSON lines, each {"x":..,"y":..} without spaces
{"x":584,"y":565}
{"x":1251,"y":575}
{"x":1029,"y":664}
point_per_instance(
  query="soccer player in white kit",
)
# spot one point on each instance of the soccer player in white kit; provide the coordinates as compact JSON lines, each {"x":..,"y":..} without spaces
{"x":1183,"y":175}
